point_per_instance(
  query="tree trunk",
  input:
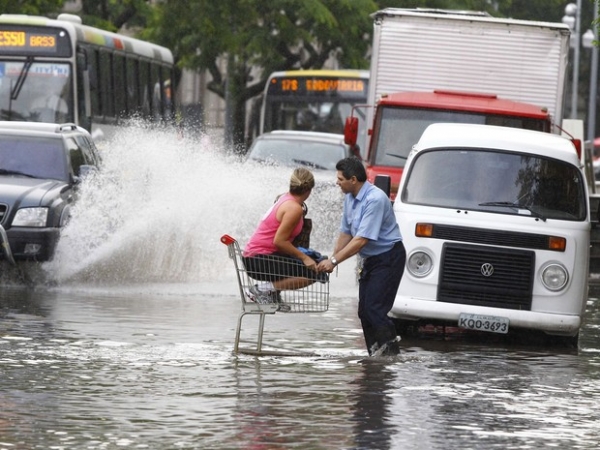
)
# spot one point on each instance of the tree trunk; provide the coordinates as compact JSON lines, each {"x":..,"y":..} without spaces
{"x":235,"y":107}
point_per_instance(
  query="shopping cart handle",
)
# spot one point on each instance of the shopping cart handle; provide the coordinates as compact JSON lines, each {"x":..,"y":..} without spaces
{"x":227,"y":240}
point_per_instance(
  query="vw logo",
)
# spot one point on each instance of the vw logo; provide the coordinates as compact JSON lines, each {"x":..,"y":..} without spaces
{"x":487,"y":270}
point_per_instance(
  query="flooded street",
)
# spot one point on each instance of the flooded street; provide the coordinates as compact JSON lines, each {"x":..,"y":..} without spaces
{"x":126,"y":339}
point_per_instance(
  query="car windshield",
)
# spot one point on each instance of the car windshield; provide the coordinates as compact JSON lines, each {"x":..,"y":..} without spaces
{"x":33,"y":157}
{"x":500,"y":182}
{"x":288,"y":152}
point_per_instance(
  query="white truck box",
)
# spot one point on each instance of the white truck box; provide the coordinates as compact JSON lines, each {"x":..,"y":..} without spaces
{"x":424,"y":50}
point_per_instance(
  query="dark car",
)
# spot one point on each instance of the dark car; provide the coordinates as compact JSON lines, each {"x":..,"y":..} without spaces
{"x":315,"y":150}
{"x":41,"y":166}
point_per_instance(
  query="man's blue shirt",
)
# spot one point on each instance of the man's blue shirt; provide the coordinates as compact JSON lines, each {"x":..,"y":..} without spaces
{"x":370,"y":215}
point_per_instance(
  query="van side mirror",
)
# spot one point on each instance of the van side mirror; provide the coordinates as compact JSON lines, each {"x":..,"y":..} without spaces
{"x":384,"y":182}
{"x":351,"y":130}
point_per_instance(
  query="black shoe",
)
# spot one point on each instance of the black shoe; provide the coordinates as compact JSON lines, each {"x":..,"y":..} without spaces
{"x":390,"y":348}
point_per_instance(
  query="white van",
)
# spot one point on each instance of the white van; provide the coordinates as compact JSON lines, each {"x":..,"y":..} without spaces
{"x":496,"y":224}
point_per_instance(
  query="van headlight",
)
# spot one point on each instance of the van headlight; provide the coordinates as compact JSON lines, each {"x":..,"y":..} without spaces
{"x":419,"y":264}
{"x":555,"y":276}
{"x":31,"y":217}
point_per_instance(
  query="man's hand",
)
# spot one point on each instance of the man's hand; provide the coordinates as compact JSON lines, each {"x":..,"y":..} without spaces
{"x":325,"y":266}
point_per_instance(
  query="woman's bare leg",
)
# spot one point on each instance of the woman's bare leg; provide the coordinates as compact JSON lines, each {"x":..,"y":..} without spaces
{"x":288,"y":284}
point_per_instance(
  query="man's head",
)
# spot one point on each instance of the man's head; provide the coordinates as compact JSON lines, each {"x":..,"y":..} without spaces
{"x":351,"y":175}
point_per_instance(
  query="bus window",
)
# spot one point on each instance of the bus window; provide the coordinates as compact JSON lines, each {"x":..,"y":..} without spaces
{"x":119,"y":80}
{"x":144,"y":89}
{"x":50,"y":97}
{"x":167,"y":92}
{"x":93,"y":64}
{"x":106,"y":84}
{"x":156,"y":103}
{"x":133,"y":98}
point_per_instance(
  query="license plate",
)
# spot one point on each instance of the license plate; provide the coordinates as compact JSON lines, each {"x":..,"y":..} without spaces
{"x":493,"y":324}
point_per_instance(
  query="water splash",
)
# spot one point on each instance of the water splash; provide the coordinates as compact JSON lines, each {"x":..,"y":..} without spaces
{"x":157,"y":209}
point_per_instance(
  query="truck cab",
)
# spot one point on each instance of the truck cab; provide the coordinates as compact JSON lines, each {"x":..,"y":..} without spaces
{"x":401,"y":118}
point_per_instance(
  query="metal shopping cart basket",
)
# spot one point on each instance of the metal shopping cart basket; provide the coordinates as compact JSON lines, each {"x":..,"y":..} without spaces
{"x":313,"y":298}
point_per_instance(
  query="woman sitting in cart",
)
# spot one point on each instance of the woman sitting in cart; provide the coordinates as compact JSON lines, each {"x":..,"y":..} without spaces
{"x":270,"y":256}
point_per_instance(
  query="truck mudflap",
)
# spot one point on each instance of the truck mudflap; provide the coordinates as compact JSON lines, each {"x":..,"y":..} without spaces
{"x":6,"y":246}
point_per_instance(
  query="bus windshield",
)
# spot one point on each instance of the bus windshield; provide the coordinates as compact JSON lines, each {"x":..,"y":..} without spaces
{"x":401,"y":128}
{"x":499,"y":182}
{"x":305,"y":116}
{"x":312,"y":100}
{"x":36,"y":92}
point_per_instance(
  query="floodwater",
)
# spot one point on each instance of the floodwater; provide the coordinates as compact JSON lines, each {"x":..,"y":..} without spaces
{"x":126,"y":339}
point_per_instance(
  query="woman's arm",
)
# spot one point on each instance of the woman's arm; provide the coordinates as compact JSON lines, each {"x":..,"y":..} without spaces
{"x":289,"y":214}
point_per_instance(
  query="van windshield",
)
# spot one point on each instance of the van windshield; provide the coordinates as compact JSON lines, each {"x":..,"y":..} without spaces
{"x":499,"y":182}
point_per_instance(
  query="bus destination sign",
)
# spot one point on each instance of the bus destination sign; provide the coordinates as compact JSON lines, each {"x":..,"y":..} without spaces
{"x":321,"y":86}
{"x":34,"y":42}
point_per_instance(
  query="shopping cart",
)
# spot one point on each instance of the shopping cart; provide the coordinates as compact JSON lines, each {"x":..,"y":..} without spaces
{"x":311,"y":299}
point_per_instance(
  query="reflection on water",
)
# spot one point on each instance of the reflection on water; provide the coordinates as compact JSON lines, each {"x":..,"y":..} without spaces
{"x":372,"y":402}
{"x":131,"y":345}
{"x":136,"y":368}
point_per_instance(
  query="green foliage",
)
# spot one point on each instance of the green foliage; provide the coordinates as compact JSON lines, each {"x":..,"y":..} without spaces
{"x":265,"y":35}
{"x":34,"y":7}
{"x":541,"y":10}
{"x":273,"y":35}
{"x":112,"y":15}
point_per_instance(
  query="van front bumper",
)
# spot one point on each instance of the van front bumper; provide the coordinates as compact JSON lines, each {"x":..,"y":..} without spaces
{"x":424,"y":310}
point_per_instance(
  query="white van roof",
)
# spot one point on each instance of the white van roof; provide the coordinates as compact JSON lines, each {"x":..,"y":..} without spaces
{"x":458,"y":135}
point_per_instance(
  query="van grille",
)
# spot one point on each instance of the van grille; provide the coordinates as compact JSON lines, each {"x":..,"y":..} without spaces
{"x":3,"y":209}
{"x":491,"y":237}
{"x":509,"y":286}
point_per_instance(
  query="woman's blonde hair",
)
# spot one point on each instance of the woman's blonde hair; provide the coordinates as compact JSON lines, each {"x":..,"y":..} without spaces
{"x":302,"y":181}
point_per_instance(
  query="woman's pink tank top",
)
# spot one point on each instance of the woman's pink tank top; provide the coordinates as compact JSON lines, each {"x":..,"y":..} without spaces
{"x":261,"y":242}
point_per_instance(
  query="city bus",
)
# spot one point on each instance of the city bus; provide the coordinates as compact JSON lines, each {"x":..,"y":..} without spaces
{"x":312,"y":100}
{"x":63,"y":71}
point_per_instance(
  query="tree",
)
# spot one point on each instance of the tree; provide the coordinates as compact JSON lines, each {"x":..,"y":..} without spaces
{"x":250,"y":34}
{"x":38,"y":7}
{"x":113,"y":15}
